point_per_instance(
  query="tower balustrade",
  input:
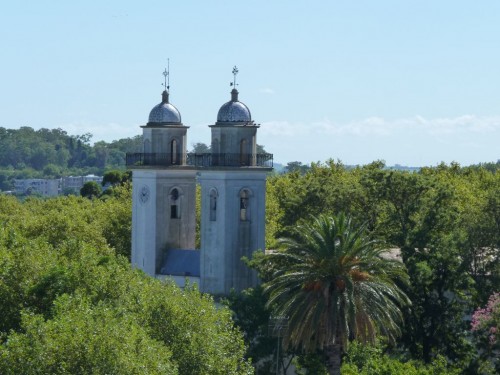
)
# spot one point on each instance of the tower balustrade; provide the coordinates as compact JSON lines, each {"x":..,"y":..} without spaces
{"x":200,"y":160}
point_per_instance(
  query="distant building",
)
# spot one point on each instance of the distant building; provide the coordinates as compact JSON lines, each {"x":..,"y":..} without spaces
{"x":75,"y":183}
{"x":38,"y":186}
{"x":52,"y":187}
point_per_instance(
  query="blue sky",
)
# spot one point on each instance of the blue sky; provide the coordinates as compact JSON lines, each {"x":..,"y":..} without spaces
{"x":408,"y":82}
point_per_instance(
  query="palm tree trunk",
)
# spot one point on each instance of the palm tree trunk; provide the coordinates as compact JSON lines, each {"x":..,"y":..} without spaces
{"x":334,"y":357}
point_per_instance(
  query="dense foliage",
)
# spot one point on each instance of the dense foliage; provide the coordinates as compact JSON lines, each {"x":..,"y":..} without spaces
{"x":52,"y":153}
{"x":371,"y":360}
{"x":443,"y":221}
{"x":72,"y":305}
{"x":64,"y":268}
{"x":332,"y":283}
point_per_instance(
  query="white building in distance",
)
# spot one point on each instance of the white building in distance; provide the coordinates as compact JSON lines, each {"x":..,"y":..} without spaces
{"x":75,"y":183}
{"x":52,"y":187}
{"x":37,"y":186}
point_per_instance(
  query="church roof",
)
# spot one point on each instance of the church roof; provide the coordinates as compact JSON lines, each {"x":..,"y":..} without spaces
{"x":179,"y":262}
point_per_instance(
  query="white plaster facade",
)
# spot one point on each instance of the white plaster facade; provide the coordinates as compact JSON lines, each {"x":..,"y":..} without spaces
{"x":234,"y":230}
{"x":154,"y":230}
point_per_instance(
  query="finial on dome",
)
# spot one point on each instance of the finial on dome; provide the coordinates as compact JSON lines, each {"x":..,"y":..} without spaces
{"x":166,"y":74}
{"x":235,"y":73}
{"x":234,"y":92}
{"x":166,"y":84}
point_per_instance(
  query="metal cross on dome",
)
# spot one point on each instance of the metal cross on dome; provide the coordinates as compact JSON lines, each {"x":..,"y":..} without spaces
{"x":235,"y":73}
{"x":166,"y":74}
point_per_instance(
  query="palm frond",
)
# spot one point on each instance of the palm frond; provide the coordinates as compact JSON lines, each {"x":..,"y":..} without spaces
{"x":332,"y":283}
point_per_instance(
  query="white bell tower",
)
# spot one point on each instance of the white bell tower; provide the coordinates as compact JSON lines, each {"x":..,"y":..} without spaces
{"x":233,"y":193}
{"x":164,"y":188}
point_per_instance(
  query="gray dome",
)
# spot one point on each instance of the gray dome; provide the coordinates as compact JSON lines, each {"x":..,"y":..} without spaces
{"x":164,"y":112}
{"x":234,"y":110}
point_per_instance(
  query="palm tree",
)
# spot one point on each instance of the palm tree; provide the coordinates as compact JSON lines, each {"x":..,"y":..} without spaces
{"x":333,"y":284}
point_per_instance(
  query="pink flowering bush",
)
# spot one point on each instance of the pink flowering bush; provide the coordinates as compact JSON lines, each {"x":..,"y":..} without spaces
{"x":486,"y":320}
{"x":485,"y":323}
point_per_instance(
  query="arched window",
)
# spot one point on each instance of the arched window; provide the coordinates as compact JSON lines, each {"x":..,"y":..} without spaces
{"x":243,"y":152}
{"x":175,"y":212}
{"x":244,"y":205}
{"x":173,"y":151}
{"x":213,"y":205}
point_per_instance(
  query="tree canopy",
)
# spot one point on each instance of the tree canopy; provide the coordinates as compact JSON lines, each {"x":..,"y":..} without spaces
{"x":72,"y":304}
{"x":443,"y":221}
{"x":332,"y":283}
{"x":52,"y":153}
{"x":55,"y":256}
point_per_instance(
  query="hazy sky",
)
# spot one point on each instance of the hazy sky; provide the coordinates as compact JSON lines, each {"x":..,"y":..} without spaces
{"x":409,"y":82}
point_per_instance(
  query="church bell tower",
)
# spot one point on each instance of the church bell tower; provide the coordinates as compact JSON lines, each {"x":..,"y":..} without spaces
{"x":164,"y":189}
{"x":232,"y":178}
{"x":233,"y":193}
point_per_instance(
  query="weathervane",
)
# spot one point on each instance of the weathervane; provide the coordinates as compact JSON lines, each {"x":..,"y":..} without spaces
{"x":235,"y":73}
{"x":166,"y":74}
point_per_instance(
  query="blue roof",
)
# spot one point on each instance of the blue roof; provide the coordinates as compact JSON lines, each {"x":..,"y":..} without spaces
{"x":179,"y":262}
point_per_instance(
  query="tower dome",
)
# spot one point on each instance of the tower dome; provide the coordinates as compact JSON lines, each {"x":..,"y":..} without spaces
{"x":234,"y":110}
{"x":164,"y":113}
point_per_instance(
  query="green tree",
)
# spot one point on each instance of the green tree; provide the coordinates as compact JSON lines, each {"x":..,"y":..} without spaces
{"x":36,"y":150}
{"x":296,"y":166}
{"x":427,"y":216}
{"x":112,"y":178}
{"x":70,"y":305}
{"x":115,"y":218}
{"x":52,"y":171}
{"x":200,"y":148}
{"x":251,"y":316}
{"x":370,"y":359}
{"x":333,"y":283}
{"x":84,"y":339}
{"x":90,"y":189}
{"x":260,"y":149}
